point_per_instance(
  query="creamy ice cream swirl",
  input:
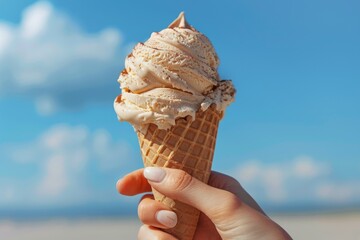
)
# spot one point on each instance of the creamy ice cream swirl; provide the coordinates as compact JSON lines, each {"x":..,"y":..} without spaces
{"x":172,"y":75}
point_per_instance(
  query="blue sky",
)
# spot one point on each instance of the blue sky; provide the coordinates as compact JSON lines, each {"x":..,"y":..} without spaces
{"x":291,"y":138}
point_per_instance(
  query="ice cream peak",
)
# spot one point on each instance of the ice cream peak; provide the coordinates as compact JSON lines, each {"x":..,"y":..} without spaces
{"x":172,"y":75}
{"x":180,"y":22}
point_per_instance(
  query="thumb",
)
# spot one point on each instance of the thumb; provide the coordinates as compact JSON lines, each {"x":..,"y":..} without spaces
{"x":179,"y":185}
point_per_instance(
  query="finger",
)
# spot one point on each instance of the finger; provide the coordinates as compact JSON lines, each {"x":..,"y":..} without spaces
{"x":155,"y":213}
{"x":179,"y":185}
{"x":147,"y":232}
{"x":225,"y":182}
{"x":133,"y":183}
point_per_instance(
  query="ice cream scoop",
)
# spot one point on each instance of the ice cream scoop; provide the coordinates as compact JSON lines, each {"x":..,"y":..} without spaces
{"x":172,"y":75}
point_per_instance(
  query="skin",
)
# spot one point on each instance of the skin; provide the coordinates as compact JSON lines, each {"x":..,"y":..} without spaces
{"x":229,"y":212}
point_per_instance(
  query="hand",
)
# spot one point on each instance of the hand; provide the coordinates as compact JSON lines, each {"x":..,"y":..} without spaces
{"x":228,"y":211}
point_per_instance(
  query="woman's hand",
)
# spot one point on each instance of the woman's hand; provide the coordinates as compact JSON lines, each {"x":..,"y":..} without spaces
{"x":228,"y":211}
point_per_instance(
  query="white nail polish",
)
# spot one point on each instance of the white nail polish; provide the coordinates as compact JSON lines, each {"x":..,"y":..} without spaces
{"x":166,"y":218}
{"x":154,"y":174}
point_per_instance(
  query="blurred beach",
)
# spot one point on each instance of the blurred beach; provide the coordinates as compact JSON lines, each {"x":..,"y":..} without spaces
{"x":328,"y":226}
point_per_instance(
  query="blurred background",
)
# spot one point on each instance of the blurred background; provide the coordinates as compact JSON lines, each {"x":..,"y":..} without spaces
{"x":292,"y":138}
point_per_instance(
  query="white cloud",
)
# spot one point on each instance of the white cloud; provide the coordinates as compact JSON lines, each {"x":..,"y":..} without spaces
{"x":55,"y":179}
{"x":274,"y":182}
{"x":6,"y":36}
{"x":35,"y":20}
{"x":269,"y":178}
{"x":66,"y":157}
{"x":49,"y":59}
{"x":302,"y":179}
{"x":109,"y":154}
{"x":306,"y":167}
{"x":338,"y":192}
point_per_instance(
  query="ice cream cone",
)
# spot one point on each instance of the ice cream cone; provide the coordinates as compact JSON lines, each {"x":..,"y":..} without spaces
{"x":188,"y":145}
{"x":174,"y":97}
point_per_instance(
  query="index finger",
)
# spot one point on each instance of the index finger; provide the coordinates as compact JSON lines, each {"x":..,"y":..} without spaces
{"x":133,"y":183}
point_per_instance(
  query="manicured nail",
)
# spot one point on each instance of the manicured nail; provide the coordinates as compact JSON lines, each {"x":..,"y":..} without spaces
{"x":154,"y":174}
{"x":166,"y":218}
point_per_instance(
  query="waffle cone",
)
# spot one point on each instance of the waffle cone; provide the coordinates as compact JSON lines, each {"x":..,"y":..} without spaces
{"x":189,"y":145}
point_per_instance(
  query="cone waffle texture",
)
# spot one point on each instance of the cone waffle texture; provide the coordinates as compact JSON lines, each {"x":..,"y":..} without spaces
{"x":189,"y":145}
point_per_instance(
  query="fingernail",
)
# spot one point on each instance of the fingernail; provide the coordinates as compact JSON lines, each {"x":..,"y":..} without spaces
{"x":166,"y":218}
{"x":154,"y":174}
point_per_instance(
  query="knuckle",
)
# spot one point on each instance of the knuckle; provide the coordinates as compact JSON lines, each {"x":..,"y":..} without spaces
{"x":231,"y":204}
{"x":181,"y":181}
